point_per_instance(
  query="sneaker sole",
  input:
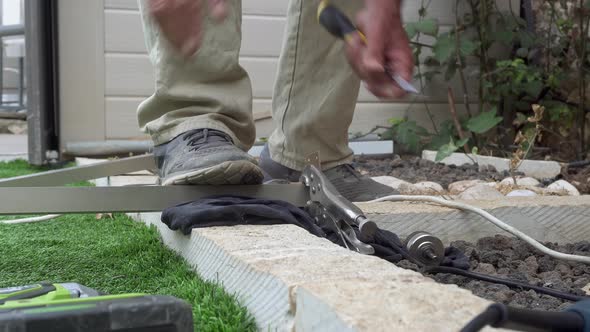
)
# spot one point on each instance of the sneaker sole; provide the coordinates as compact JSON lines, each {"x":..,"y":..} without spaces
{"x":229,"y":172}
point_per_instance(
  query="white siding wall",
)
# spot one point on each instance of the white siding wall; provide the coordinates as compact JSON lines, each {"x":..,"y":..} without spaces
{"x":128,"y":75}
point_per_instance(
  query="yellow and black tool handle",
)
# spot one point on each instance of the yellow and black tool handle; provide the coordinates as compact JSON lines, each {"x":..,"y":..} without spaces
{"x":337,"y":23}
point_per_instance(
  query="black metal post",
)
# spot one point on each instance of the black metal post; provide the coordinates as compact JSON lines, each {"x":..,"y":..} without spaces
{"x":42,"y":95}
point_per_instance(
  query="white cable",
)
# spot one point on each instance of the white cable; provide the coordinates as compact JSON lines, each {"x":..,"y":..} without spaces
{"x":462,"y":206}
{"x":30,"y":219}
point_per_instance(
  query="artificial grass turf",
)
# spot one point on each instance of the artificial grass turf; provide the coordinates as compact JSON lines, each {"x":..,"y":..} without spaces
{"x":115,"y":256}
{"x":18,"y":168}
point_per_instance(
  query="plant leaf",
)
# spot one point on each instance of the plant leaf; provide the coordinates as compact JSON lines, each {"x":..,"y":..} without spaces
{"x":533,"y":88}
{"x":522,"y":52}
{"x":396,"y":121}
{"x":462,"y":142}
{"x":467,"y":47}
{"x":408,"y":133}
{"x":504,"y":36}
{"x":411,"y":30}
{"x":445,"y":132}
{"x":444,"y":48}
{"x":448,"y":149}
{"x":386,"y":135}
{"x":427,"y":26}
{"x":483,"y":122}
{"x":526,"y":39}
{"x":519,"y":120}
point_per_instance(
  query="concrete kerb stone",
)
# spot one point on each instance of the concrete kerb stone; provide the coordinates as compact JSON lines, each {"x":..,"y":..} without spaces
{"x":293,"y":281}
{"x":536,"y":168}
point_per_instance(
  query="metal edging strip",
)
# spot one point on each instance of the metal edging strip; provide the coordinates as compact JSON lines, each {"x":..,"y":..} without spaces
{"x":82,"y":173}
{"x":52,"y":200}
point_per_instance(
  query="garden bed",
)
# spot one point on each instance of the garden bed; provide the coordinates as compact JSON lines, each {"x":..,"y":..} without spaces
{"x":510,"y":258}
{"x":414,"y":170}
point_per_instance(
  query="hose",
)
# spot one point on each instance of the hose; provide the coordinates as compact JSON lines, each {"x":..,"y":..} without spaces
{"x":507,"y":282}
{"x":490,"y":316}
{"x":502,"y":316}
{"x":462,"y":206}
{"x":30,"y":219}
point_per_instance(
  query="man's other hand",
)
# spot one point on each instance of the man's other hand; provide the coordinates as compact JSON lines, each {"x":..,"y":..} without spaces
{"x":387,"y":46}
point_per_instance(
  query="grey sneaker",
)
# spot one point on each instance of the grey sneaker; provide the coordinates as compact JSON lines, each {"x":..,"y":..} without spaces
{"x":205,"y":156}
{"x":349,"y":182}
{"x":275,"y":171}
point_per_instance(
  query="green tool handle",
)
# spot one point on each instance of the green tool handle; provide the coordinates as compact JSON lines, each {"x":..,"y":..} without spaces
{"x":25,"y":292}
{"x":337,"y":23}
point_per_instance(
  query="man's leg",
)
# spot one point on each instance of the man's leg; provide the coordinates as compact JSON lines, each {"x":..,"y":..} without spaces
{"x":315,"y":92}
{"x":314,"y":100}
{"x":200,"y":116}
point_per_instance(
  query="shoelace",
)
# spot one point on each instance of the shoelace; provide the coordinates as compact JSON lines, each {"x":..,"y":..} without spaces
{"x":348,"y":171}
{"x":198,"y":138}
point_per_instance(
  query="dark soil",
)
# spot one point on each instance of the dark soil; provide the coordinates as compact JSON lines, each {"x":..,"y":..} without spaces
{"x":512,"y":258}
{"x":578,"y":176}
{"x":415,"y":169}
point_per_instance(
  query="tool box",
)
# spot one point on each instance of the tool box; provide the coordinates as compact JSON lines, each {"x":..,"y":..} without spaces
{"x":72,"y":307}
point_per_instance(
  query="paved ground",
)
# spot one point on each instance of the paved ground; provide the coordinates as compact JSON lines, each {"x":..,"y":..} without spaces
{"x":13,"y":147}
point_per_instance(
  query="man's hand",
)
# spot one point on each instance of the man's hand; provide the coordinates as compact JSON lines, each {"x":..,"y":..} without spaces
{"x":387,"y":45}
{"x":181,"y":21}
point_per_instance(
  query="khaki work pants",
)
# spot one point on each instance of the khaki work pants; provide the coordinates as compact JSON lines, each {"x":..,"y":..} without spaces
{"x":314,"y":95}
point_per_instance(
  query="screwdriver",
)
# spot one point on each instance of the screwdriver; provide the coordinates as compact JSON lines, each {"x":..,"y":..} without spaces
{"x":339,"y":25}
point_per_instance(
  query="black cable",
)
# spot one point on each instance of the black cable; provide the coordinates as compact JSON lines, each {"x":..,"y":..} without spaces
{"x":535,"y":320}
{"x":577,"y":164}
{"x":491,"y":316}
{"x":500,"y":315}
{"x":507,"y":282}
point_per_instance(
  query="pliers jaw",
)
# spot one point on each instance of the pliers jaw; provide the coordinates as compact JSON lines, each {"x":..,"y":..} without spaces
{"x":331,"y":210}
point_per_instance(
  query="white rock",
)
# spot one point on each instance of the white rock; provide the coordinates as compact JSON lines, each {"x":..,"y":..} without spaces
{"x":521,"y":193}
{"x":429,"y":188}
{"x":481,"y":192}
{"x":460,"y":186}
{"x":562,"y":187}
{"x":491,"y":184}
{"x":391,"y":181}
{"x":523,"y":182}
{"x":408,"y":189}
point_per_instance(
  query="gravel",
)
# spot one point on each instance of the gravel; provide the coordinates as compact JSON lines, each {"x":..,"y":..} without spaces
{"x":578,"y":176}
{"x":512,"y":258}
{"x":415,"y":169}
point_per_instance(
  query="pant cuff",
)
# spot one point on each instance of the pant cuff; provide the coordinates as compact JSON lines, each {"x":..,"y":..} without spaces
{"x":169,"y":134}
{"x":298,"y":162}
